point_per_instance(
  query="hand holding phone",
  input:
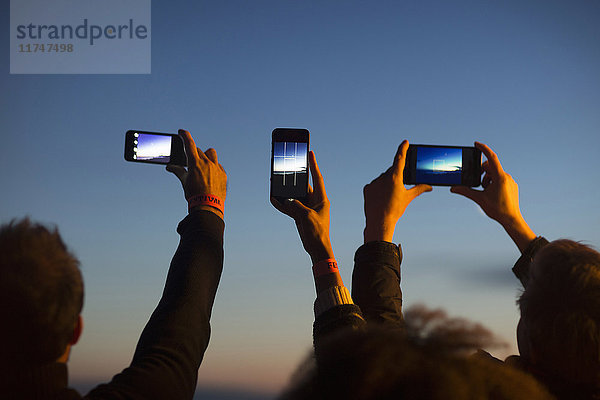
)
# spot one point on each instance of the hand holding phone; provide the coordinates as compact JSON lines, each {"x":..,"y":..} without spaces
{"x":499,"y":199}
{"x":289,"y":164}
{"x":311,"y":216}
{"x":292,"y":195}
{"x":386,"y":199}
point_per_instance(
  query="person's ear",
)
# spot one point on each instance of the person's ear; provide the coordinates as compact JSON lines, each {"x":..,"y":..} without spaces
{"x":77,"y":330}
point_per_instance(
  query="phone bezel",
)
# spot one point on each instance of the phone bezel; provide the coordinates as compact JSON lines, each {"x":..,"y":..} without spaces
{"x":299,"y":135}
{"x":178,"y":156}
{"x":468,"y":178}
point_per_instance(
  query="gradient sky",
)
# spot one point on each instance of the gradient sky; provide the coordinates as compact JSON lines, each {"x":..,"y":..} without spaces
{"x":520,"y":76}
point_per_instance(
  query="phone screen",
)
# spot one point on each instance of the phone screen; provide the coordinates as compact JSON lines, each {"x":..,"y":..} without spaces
{"x":289,"y":164}
{"x":439,"y":165}
{"x":155,"y":148}
{"x":443,"y":165}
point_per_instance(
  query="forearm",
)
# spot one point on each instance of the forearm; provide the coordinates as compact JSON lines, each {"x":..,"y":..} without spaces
{"x":174,"y":340}
{"x":185,"y":307}
{"x":376,"y":283}
{"x":318,"y":253}
{"x":383,"y":232}
{"x":519,"y":231}
{"x":334,"y":308}
{"x":327,"y":281}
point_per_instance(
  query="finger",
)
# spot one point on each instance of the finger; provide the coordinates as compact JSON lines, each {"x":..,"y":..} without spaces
{"x":201,"y":155}
{"x":309,"y":190}
{"x":381,"y":176}
{"x":290,"y":207}
{"x":191,"y":151}
{"x":280,"y":206}
{"x":487,"y":179}
{"x":178,"y":171}
{"x":485,"y":166}
{"x":211,"y":154}
{"x":317,"y":178}
{"x":475,"y":195}
{"x":400,"y":157}
{"x":298,"y":207}
{"x":419,"y":190}
{"x":492,"y":158}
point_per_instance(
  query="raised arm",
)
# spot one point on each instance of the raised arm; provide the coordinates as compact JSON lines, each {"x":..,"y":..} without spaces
{"x":376,"y":275}
{"x":333,"y":307}
{"x":499,"y":199}
{"x":173,"y":342}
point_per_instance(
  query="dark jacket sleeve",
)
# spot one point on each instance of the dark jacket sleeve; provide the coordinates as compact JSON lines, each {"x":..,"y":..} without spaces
{"x":376,"y":283}
{"x":172,"y":345}
{"x":523,"y":264}
{"x":346,"y":316}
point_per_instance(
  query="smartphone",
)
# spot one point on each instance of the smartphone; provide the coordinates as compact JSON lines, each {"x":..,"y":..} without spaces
{"x":442,"y":165}
{"x":154,"y":148}
{"x":289,"y":164}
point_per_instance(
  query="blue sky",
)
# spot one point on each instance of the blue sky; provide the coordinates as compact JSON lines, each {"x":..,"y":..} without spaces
{"x":520,"y":76}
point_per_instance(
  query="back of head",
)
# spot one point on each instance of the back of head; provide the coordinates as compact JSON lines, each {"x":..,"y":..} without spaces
{"x":379,"y":363}
{"x":41,"y":293}
{"x":560,"y":313}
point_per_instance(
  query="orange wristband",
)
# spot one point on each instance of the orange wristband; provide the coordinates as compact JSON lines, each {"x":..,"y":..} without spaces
{"x":323,"y":267}
{"x":206,"y":200}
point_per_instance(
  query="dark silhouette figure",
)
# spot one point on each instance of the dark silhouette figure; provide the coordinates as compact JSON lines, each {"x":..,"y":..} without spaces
{"x":415,"y":363}
{"x":41,"y":296}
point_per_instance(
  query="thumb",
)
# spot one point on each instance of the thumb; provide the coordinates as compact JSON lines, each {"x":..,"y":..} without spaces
{"x":469,"y":193}
{"x":178,"y":171}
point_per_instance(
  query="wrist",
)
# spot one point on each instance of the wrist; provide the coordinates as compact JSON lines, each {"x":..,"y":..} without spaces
{"x":324,"y":267}
{"x":327,"y":280}
{"x":324,"y":253}
{"x":210,"y":201}
{"x":332,"y":297}
{"x":520,"y":233}
{"x":510,"y":220}
{"x":213,"y":210}
{"x":378,"y":232}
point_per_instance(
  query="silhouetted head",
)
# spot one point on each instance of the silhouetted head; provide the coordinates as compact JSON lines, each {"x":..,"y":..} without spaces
{"x":381,"y":363}
{"x":559,"y":330}
{"x":41,"y":294}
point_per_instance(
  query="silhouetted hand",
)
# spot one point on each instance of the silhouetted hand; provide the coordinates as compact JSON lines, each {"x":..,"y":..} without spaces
{"x":204,"y":174}
{"x":311,"y":218}
{"x":386,"y":199}
{"x":499,"y":198}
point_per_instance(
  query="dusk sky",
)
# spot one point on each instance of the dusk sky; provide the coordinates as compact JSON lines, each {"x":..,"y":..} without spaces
{"x":521,"y":76}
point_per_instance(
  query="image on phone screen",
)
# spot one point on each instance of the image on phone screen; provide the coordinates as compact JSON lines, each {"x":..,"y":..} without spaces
{"x":439,"y":165}
{"x":290,"y":172}
{"x":155,"y":148}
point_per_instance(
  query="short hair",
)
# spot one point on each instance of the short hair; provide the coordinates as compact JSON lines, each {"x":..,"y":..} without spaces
{"x":41,"y":293}
{"x":560,"y":308}
{"x":417,"y":363}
